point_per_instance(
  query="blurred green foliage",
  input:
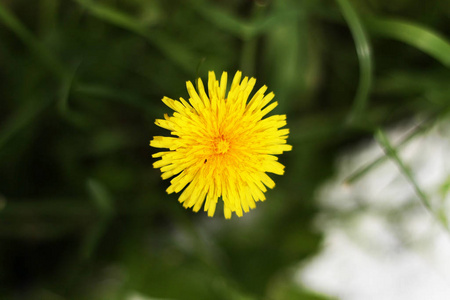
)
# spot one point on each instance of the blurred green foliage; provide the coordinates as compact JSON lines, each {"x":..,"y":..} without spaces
{"x":83,"y":215}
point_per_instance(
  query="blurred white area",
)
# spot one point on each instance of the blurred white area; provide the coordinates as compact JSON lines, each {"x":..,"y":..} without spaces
{"x":380,"y":242}
{"x":138,"y":296}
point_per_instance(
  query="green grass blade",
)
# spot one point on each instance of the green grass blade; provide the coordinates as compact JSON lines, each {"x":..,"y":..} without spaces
{"x":116,"y":95}
{"x":250,"y":44}
{"x":240,"y":28}
{"x":113,"y":16}
{"x":170,"y":47}
{"x":406,"y":171}
{"x":23,"y":116}
{"x":364,"y":52}
{"x":177,"y":52}
{"x":48,"y":16}
{"x":426,"y":124}
{"x":414,"y":35}
{"x":63,"y":102}
{"x":104,"y":204}
{"x":364,"y":170}
{"x":288,"y":54}
{"x":101,"y":197}
{"x":14,"y":24}
{"x":225,"y":21}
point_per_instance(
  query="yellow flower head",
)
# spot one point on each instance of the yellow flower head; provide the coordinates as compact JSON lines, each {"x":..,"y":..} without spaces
{"x":222,"y":146}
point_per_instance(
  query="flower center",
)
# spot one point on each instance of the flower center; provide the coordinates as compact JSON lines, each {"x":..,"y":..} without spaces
{"x":221,"y":145}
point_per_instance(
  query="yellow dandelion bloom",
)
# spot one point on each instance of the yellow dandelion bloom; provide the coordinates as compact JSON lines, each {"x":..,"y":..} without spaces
{"x":222,"y":146}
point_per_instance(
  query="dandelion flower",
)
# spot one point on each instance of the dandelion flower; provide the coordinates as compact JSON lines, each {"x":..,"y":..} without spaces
{"x":222,"y":147}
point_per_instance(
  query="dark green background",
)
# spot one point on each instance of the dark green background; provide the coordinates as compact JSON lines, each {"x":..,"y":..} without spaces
{"x":83,"y":215}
